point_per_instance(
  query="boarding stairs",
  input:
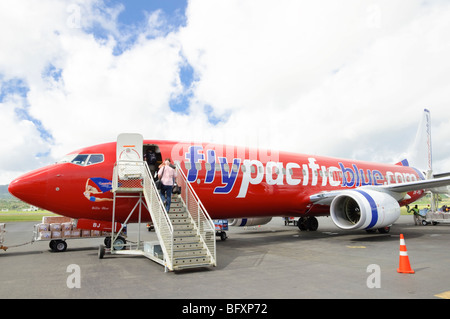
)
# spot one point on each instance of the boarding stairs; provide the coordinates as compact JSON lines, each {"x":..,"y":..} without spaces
{"x":186,"y":233}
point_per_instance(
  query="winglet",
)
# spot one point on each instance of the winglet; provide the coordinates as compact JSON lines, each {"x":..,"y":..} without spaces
{"x":421,"y":152}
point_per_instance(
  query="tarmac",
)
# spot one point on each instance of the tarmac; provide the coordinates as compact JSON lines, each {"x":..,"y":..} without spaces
{"x":269,"y":262}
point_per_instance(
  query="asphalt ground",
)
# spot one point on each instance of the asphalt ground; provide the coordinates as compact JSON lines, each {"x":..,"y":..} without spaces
{"x":272,"y":261}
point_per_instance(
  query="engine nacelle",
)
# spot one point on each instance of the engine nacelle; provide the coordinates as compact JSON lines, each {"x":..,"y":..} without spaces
{"x":254,"y":221}
{"x":364,"y":209}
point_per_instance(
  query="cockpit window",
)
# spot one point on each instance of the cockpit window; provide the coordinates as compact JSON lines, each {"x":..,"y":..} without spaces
{"x":83,"y":159}
{"x":80,"y":159}
{"x":95,"y":158}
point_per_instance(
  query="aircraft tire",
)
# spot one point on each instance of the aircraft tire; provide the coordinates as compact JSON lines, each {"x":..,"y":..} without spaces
{"x":384,"y":230}
{"x":312,"y":223}
{"x":301,"y":224}
{"x":308,"y":223}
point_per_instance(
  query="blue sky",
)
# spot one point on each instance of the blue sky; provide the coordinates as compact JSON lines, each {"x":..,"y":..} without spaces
{"x":133,"y":18}
{"x":134,"y":10}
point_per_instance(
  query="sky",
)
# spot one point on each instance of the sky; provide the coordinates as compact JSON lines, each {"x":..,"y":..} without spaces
{"x":344,"y":78}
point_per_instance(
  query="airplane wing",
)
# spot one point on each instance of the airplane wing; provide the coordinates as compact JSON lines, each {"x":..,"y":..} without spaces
{"x":325,"y":198}
{"x":427,"y":184}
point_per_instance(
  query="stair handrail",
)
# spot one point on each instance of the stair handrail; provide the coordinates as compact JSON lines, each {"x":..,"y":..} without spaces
{"x":159,"y":215}
{"x":203,"y":222}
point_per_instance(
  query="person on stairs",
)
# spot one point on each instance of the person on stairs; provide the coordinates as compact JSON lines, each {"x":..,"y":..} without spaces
{"x":167,"y":175}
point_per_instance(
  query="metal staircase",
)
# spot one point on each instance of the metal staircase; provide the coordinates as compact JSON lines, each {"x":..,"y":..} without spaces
{"x":186,"y":234}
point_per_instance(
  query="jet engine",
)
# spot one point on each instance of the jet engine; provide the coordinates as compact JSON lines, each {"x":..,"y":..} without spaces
{"x":254,"y":221}
{"x":364,"y":209}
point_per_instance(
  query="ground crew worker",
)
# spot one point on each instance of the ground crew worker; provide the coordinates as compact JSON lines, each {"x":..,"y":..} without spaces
{"x":416,"y":214}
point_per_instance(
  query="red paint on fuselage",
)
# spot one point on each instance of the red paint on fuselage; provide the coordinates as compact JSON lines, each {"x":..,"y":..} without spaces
{"x":283,"y":188}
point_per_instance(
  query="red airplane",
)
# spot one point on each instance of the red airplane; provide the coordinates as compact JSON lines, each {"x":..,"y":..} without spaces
{"x":247,"y":185}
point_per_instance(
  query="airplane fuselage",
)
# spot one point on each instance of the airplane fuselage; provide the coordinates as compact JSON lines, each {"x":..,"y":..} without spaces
{"x":232,"y":182}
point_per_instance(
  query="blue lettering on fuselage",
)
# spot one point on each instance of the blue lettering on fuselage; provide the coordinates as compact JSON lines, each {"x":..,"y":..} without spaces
{"x":278,"y":173}
{"x":194,"y":156}
{"x":228,"y":175}
{"x":354,"y":177}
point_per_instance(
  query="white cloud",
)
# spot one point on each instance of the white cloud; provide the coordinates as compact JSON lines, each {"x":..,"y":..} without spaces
{"x":340,"y":78}
{"x":20,"y":141}
{"x":324,"y":77}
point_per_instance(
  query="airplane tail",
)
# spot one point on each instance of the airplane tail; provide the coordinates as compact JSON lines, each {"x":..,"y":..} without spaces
{"x":420,"y":154}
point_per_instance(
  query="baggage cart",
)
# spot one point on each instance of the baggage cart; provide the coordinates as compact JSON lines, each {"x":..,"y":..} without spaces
{"x":428,"y":217}
{"x":57,"y":230}
{"x":220,"y":226}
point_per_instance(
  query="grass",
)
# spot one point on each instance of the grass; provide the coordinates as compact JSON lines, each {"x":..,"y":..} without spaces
{"x":19,"y":216}
{"x":424,"y":202}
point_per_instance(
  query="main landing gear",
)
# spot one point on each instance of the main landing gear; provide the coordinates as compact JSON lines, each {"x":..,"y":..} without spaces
{"x":383,"y":230}
{"x":308,"y":223}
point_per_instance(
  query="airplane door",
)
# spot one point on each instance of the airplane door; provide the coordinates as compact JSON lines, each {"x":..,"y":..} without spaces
{"x":129,"y":147}
{"x":128,"y":155}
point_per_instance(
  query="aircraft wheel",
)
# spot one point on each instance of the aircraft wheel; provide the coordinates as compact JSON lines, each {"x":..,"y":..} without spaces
{"x":223,"y":236}
{"x":384,"y":230}
{"x":312,"y":223}
{"x":301,"y":224}
{"x":308,"y":223}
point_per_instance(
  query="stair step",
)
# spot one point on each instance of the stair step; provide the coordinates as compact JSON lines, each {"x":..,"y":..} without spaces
{"x":181,"y":261}
{"x":181,"y":221}
{"x":184,"y":233}
{"x":189,"y":253}
{"x":187,"y":246}
{"x":184,"y":214}
{"x":176,"y":210}
{"x":176,"y":205}
{"x":188,"y":266}
{"x":178,"y":227}
{"x":176,"y":199}
{"x":185,"y":239}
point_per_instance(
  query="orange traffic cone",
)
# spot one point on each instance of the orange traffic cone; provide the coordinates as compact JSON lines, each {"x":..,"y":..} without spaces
{"x":404,"y":266}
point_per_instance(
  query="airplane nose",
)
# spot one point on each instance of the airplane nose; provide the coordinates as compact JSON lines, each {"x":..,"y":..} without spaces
{"x":31,"y":187}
